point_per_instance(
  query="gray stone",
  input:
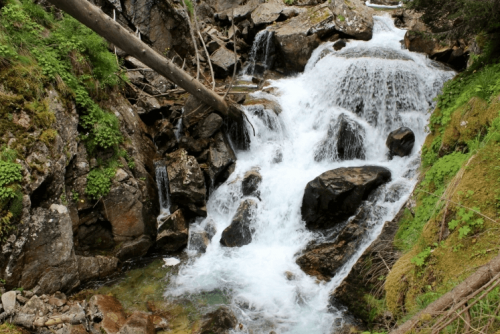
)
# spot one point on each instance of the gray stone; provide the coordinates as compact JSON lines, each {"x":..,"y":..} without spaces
{"x":400,"y":142}
{"x":134,"y":248}
{"x":251,"y":182}
{"x":267,"y":12}
{"x":198,"y":241}
{"x":9,"y":301}
{"x":35,"y":306}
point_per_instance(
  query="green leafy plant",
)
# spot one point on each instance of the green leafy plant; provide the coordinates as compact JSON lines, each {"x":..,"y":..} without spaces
{"x":99,"y":182}
{"x":466,"y":218}
{"x":420,"y":259}
{"x":341,"y":18}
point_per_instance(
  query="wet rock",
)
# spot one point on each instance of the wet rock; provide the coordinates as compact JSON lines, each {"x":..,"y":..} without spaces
{"x":146,"y":104}
{"x":324,"y":260}
{"x":220,"y":321}
{"x":186,"y":181}
{"x":239,"y":233}
{"x":107,"y":313}
{"x":173,"y":232}
{"x":220,"y":157}
{"x":223,"y":62}
{"x":210,"y":229}
{"x":138,"y":323}
{"x":400,"y":142}
{"x":9,"y":301}
{"x":207,"y":127}
{"x":339,"y":45}
{"x":344,"y":141}
{"x":295,"y":39}
{"x":353,"y":18}
{"x":335,"y":195}
{"x":199,"y":241}
{"x":250,"y":183}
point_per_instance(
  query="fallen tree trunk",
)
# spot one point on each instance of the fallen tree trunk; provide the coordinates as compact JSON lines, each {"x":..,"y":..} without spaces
{"x":474,"y":282}
{"x":94,"y":18}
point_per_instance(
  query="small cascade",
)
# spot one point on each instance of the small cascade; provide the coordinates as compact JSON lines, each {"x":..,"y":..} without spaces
{"x":261,"y":54}
{"x":338,"y":113}
{"x":163,"y":189}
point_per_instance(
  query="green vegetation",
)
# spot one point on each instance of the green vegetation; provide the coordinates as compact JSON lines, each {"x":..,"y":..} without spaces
{"x":10,"y":195}
{"x":341,"y":18}
{"x":39,"y":52}
{"x":7,"y":328}
{"x":289,"y":2}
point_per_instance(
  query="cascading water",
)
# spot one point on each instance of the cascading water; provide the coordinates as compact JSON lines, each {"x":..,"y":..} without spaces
{"x":262,"y":53}
{"x":378,"y":87}
{"x":163,"y":191}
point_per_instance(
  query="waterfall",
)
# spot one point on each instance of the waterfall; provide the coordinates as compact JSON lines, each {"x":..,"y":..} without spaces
{"x":378,"y":87}
{"x":261,"y":56}
{"x":178,"y":127}
{"x":163,"y":191}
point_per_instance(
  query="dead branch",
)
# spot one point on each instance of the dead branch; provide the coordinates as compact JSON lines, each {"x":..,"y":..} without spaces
{"x":204,"y":45}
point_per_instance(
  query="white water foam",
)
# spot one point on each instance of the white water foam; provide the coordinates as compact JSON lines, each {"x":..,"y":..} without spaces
{"x":389,"y":88}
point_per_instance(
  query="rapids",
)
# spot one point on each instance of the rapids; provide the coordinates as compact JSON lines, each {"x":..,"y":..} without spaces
{"x":376,"y":84}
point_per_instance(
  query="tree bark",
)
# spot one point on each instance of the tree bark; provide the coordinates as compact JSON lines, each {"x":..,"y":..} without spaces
{"x":474,"y":282}
{"x":94,"y":18}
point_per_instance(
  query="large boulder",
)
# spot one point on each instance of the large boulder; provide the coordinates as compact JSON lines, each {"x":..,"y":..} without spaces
{"x":335,"y":195}
{"x":173,"y":232}
{"x":221,"y":321}
{"x":220,"y":157}
{"x":344,"y":141}
{"x":239,"y":232}
{"x":400,"y":142}
{"x":198,"y":241}
{"x":186,"y":182}
{"x":296,"y":38}
{"x":90,"y":267}
{"x":353,"y":18}
{"x":107,"y":313}
{"x":325,"y":259}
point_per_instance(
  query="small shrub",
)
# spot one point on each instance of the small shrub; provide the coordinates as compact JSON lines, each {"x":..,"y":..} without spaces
{"x":48,"y":136}
{"x":341,"y":18}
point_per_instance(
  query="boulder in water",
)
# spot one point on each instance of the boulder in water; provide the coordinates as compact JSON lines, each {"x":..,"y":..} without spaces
{"x":198,"y":241}
{"x":400,"y":142}
{"x":220,"y":321}
{"x":335,"y":195}
{"x":251,"y":182}
{"x":239,"y":233}
{"x":324,"y":260}
{"x":173,"y":232}
{"x":344,"y":141}
{"x":186,"y":181}
{"x":353,"y":18}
